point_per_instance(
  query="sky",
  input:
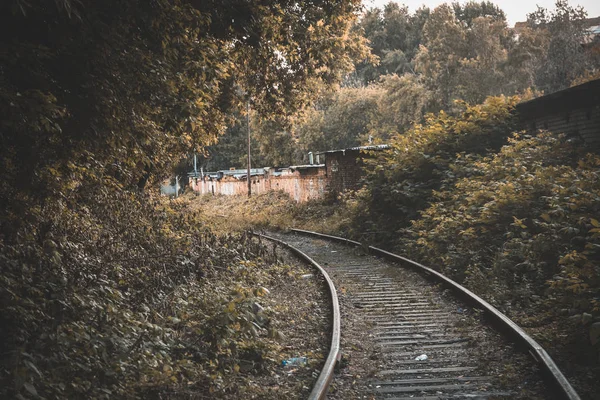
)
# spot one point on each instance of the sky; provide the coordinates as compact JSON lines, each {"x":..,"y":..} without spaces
{"x":516,"y":10}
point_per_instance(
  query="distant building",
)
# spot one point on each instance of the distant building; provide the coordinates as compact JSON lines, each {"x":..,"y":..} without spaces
{"x":301,"y":182}
{"x":342,"y":171}
{"x":344,"y":168}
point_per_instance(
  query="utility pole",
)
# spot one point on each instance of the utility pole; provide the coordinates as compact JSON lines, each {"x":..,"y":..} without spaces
{"x":248,"y":126}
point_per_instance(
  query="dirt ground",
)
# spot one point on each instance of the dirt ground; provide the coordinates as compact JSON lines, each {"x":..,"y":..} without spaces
{"x":299,"y":307}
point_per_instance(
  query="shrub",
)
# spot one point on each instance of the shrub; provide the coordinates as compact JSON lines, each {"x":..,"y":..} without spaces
{"x":520,"y":224}
{"x":121,"y":299}
{"x":402,"y":181}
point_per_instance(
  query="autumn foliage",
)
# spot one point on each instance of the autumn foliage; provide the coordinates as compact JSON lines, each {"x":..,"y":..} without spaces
{"x":129,"y":298}
{"x":107,"y":291}
{"x":513,"y":216}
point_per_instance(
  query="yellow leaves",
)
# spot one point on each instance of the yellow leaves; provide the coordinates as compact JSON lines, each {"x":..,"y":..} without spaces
{"x":230,"y":307}
{"x":577,"y":287}
{"x":519,"y":222}
{"x":572,"y":258}
{"x":545,"y":217}
{"x":468,"y":232}
{"x":595,"y":222}
{"x":261,"y":291}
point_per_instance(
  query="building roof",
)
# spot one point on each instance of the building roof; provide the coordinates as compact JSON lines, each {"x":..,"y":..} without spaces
{"x":378,"y":147}
{"x":235,"y":173}
{"x":307,"y":166}
{"x":242,"y":173}
{"x":576,"y":97}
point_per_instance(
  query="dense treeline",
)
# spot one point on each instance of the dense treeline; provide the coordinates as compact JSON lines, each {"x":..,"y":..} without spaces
{"x":107,"y":292}
{"x":425,"y":61}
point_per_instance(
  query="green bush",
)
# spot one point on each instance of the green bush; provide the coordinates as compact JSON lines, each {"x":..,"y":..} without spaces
{"x":402,"y":181}
{"x":520,"y":224}
{"x":124,"y":299}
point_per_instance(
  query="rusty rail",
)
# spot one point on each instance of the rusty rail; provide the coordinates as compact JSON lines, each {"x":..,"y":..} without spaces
{"x":535,"y":349}
{"x":326,"y":376}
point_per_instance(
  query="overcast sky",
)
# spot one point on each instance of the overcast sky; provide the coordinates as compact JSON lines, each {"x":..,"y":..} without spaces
{"x":516,"y":10}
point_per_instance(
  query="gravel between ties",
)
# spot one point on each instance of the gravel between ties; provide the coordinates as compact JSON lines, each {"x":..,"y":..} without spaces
{"x":366,"y":359}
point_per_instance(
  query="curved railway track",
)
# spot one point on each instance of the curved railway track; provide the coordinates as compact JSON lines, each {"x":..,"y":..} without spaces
{"x":405,"y":316}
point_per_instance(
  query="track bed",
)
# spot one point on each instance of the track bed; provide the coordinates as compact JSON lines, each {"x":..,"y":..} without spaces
{"x":406,"y":338}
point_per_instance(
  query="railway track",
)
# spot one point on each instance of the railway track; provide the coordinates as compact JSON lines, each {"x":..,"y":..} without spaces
{"x":427,"y":343}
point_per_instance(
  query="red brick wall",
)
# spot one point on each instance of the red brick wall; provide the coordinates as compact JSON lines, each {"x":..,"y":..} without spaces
{"x":301,"y":185}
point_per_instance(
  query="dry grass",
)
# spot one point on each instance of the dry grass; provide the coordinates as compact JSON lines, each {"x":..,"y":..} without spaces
{"x":272,"y":210}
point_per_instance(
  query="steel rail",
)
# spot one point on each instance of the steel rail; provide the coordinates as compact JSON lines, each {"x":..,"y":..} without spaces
{"x":535,"y":349}
{"x":326,"y":376}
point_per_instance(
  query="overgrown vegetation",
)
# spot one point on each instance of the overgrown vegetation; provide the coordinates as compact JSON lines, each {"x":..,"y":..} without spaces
{"x":402,"y":181}
{"x":511,"y":216}
{"x":519,"y":224}
{"x":106,"y":291}
{"x":129,"y":297}
{"x":266,"y":211}
{"x":520,"y":229}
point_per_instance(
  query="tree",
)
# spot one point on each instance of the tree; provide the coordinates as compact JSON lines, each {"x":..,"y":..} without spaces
{"x":566,"y":59}
{"x":468,"y":12}
{"x":482,"y":72}
{"x":120,"y":88}
{"x":230,"y":149}
{"x":341,"y":120}
{"x":526,"y":57}
{"x":394,"y":36}
{"x":444,"y":46}
{"x":273,"y":144}
{"x":403,"y":102}
{"x":464,"y":53}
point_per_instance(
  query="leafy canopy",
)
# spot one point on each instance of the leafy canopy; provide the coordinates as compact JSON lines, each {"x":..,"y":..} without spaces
{"x":120,"y":88}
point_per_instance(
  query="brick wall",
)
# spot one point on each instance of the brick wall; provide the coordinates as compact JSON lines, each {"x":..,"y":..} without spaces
{"x":582,"y":123}
{"x":301,"y":184}
{"x":574,"y":112}
{"x":343,"y":170}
